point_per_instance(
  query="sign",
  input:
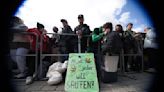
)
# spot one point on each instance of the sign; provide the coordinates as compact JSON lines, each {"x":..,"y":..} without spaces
{"x":81,"y":73}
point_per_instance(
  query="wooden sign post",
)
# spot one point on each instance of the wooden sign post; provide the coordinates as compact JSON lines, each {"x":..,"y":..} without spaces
{"x":81,"y":73}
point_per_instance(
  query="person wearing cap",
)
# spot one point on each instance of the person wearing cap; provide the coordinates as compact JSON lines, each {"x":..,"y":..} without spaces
{"x":129,"y":46}
{"x":82,"y":30}
{"x":64,"y":47}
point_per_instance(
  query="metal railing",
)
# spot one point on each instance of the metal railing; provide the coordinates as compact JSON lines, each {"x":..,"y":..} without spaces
{"x":39,"y":70}
{"x":121,"y":55}
{"x":139,"y":53}
{"x":50,"y":54}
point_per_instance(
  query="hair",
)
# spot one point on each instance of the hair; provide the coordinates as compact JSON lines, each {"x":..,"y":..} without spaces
{"x":120,"y":27}
{"x":108,"y":25}
{"x":55,"y":29}
{"x":130,"y":24}
{"x":148,"y":28}
{"x":96,"y":30}
{"x":15,"y":21}
{"x":39,"y":26}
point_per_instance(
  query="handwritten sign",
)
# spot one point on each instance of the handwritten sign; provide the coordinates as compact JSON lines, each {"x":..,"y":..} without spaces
{"x":81,"y":73}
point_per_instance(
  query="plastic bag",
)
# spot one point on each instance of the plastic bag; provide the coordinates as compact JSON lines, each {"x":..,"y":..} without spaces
{"x":54,"y":78}
{"x":111,"y":63}
{"x":64,"y":65}
{"x":56,"y":67}
{"x":55,"y":72}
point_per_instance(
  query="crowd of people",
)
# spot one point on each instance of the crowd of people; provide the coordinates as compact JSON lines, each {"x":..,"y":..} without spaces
{"x":101,"y":41}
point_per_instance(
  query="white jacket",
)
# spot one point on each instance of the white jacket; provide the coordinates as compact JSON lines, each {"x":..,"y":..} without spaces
{"x":150,"y":40}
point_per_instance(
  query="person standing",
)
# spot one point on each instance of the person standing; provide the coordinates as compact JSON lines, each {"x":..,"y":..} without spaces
{"x":64,"y":47}
{"x":20,"y":44}
{"x":129,"y":47}
{"x":31,"y":59}
{"x":119,"y":29}
{"x":82,"y":30}
{"x":150,"y":49}
{"x":95,"y":47}
{"x":54,"y":40}
{"x":111,"y":48}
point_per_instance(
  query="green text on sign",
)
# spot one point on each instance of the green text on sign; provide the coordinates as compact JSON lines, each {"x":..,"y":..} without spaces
{"x":81,"y":73}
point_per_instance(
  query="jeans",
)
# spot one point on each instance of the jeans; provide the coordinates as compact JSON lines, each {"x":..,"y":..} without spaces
{"x":20,"y":60}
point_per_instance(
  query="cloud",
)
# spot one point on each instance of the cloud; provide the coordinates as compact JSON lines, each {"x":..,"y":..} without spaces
{"x":139,"y":28}
{"x":49,"y":12}
{"x":124,"y":17}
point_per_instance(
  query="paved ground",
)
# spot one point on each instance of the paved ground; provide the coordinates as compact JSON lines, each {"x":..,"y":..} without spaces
{"x":134,"y":82}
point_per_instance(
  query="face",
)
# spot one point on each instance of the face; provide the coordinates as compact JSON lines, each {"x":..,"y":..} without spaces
{"x":145,"y":30}
{"x":55,"y":30}
{"x":64,"y":23}
{"x":129,"y":27}
{"x":106,"y":29}
{"x":41,"y":29}
{"x":117,"y":28}
{"x":81,"y":20}
{"x":44,"y":31}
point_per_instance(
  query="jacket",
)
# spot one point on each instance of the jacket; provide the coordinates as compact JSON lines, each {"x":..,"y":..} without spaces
{"x":150,"y":40}
{"x":84,"y":28}
{"x":19,"y":39}
{"x":112,"y":43}
{"x":33,"y":40}
{"x":95,"y":40}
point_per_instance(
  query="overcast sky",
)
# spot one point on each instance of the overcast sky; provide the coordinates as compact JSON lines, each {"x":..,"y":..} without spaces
{"x":96,"y":13}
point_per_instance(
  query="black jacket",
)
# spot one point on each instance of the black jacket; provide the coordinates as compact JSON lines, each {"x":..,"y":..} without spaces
{"x":113,"y":43}
{"x":85,"y":31}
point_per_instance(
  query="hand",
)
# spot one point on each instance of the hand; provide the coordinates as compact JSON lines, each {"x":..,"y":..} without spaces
{"x":105,"y":32}
{"x":79,"y":33}
{"x":80,"y":36}
{"x":102,"y":41}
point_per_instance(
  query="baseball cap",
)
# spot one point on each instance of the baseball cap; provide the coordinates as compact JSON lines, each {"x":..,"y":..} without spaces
{"x":63,"y":20}
{"x":39,"y":25}
{"x":80,"y":16}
